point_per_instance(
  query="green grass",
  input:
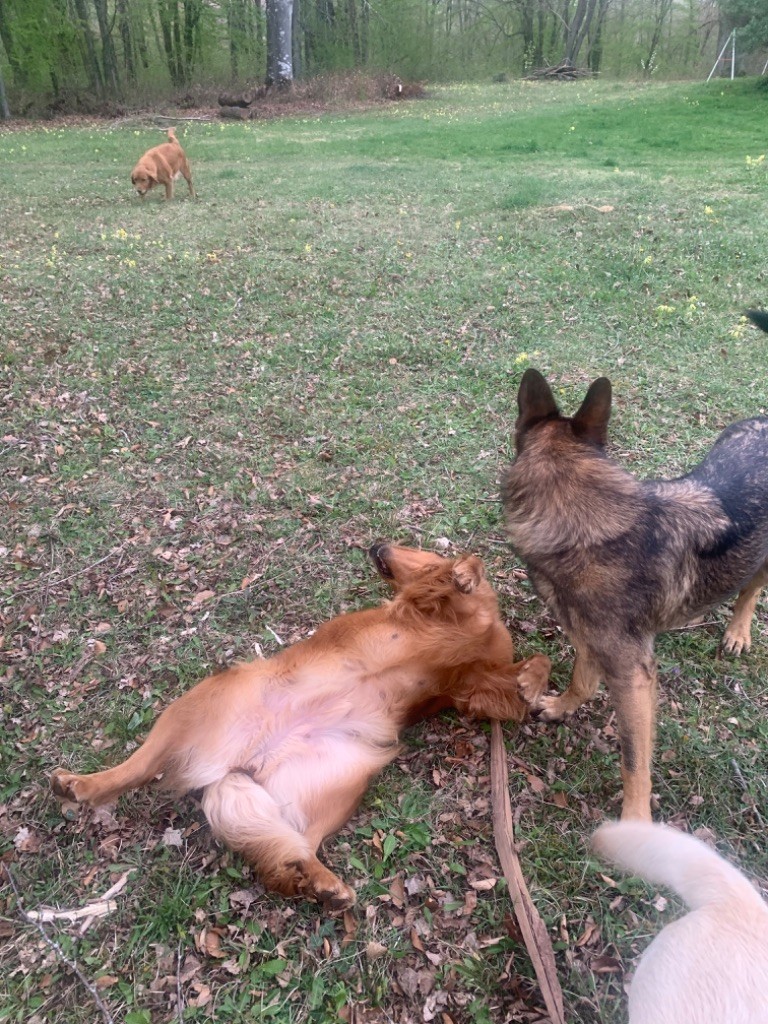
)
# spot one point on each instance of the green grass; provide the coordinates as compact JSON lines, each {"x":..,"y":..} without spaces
{"x":235,"y":396}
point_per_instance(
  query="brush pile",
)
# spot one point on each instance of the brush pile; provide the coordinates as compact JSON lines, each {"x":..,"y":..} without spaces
{"x":565,"y":71}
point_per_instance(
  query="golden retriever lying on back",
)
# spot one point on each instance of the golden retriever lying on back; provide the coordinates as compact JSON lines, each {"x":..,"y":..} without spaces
{"x":160,"y":165}
{"x":285,"y":748}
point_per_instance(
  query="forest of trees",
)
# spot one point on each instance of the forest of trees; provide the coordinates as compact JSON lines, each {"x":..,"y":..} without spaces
{"x":80,"y":54}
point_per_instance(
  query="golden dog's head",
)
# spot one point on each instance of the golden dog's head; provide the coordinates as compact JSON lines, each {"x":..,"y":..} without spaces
{"x":401,"y":566}
{"x":142,"y":180}
{"x":452,"y":627}
{"x":436,"y":586}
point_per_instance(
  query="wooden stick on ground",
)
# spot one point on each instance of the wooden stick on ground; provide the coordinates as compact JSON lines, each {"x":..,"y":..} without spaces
{"x":531,"y":925}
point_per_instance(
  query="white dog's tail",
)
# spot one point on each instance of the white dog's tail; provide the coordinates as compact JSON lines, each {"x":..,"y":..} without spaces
{"x":680,"y":862}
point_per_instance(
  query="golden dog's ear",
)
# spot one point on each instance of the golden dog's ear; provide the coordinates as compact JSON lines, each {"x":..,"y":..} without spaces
{"x":468,"y":574}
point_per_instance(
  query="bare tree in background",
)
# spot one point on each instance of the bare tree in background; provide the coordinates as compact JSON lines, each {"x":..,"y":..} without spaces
{"x":279,"y":42}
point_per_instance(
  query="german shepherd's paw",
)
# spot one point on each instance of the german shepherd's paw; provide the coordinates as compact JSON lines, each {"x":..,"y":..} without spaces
{"x":532,"y":678}
{"x":551,"y":707}
{"x":737,"y":639}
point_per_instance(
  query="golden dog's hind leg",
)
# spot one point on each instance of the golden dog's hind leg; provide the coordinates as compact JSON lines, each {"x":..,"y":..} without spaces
{"x":250,"y":821}
{"x":634,"y":697}
{"x":153,"y":757}
{"x":585,"y":679}
{"x":188,"y":175}
{"x":737,"y":637}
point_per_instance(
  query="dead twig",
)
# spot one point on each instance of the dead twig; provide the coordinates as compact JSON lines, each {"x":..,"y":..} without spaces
{"x":531,"y":925}
{"x":59,"y":951}
{"x":179,"y":993}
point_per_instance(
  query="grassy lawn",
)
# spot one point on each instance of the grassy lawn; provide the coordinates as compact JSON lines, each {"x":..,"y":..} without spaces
{"x":211,"y":408}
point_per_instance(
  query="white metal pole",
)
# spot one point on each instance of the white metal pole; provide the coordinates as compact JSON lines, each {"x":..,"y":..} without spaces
{"x":725,"y":44}
{"x":733,"y":54}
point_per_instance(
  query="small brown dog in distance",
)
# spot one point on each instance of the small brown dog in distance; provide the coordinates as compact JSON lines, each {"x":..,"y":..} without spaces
{"x":160,"y":165}
{"x":710,"y":966}
{"x":618,"y":559}
{"x":284,"y":749}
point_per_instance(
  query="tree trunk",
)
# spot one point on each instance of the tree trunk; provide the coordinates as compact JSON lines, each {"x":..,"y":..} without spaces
{"x":126,"y":35}
{"x":5,"y":113}
{"x":279,"y":42}
{"x":193,"y":11}
{"x":353,"y":31}
{"x":578,"y":28}
{"x":108,"y":56}
{"x":296,"y":38}
{"x":595,"y":53}
{"x":169,"y":26}
{"x":662,"y":9}
{"x":18,"y":70}
{"x":87,"y":46}
{"x":237,"y":30}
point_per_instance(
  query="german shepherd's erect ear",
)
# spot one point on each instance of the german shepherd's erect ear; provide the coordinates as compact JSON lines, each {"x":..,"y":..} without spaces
{"x":534,"y":401}
{"x":591,"y":421}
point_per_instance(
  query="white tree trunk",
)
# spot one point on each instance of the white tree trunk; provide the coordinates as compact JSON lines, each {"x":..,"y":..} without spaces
{"x":279,"y":42}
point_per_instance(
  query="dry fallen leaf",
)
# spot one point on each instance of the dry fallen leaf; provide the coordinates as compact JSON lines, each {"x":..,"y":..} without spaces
{"x":106,"y":981}
{"x":172,"y":837}
{"x":484,"y":884}
{"x":375,"y":950}
{"x":27,"y":841}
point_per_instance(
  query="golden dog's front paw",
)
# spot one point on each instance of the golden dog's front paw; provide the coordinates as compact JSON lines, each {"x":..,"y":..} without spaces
{"x":468,"y":574}
{"x":532,"y":678}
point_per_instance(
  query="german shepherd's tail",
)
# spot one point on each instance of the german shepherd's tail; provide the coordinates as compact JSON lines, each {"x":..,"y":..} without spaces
{"x":668,"y":857}
{"x":759,"y":318}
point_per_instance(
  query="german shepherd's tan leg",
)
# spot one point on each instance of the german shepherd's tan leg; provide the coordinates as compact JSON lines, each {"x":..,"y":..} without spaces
{"x":583,"y":685}
{"x":738,"y":635}
{"x":634,"y":698}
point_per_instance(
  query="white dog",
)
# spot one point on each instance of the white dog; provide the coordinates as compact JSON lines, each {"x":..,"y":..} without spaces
{"x":711,"y":966}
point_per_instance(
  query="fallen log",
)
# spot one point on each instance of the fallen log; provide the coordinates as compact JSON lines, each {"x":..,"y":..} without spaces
{"x":237,"y":113}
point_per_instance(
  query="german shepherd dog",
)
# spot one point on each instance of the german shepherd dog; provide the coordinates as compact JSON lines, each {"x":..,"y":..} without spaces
{"x":619,"y":559}
{"x":284,"y":748}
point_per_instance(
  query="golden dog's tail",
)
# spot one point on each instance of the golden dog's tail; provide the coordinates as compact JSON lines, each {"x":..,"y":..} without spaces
{"x":172,"y":135}
{"x":666,"y":856}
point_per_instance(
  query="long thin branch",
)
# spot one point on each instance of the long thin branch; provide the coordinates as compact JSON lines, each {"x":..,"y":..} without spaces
{"x":60,"y":952}
{"x":531,"y":925}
